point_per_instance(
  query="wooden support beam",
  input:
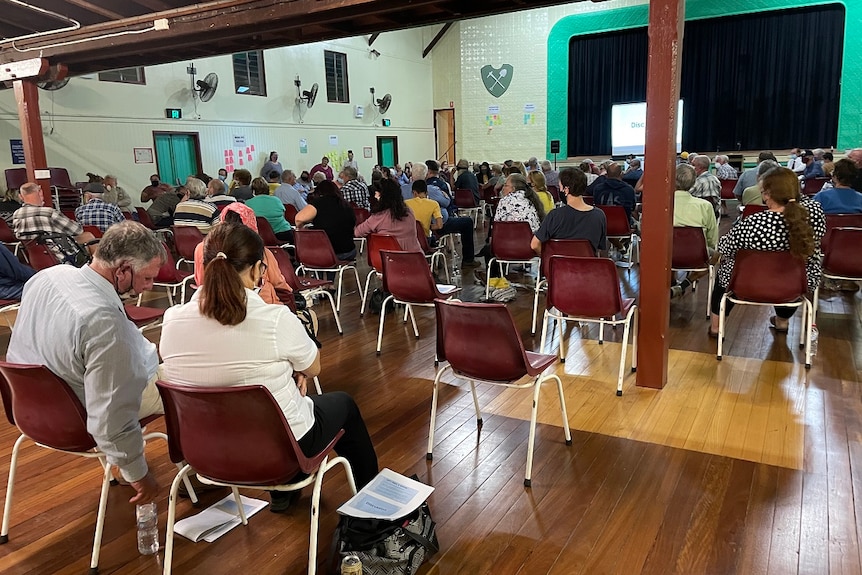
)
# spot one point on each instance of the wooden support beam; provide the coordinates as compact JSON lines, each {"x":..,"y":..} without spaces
{"x":90,"y":7}
{"x":373,"y":38}
{"x":27,"y":98}
{"x":666,"y":24}
{"x":436,"y":39}
{"x":31,"y":68}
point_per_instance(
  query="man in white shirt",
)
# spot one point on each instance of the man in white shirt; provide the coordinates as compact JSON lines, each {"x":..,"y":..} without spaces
{"x":287,"y":193}
{"x":72,"y":321}
{"x":723,"y":169}
{"x":794,"y":161}
{"x":351,"y":162}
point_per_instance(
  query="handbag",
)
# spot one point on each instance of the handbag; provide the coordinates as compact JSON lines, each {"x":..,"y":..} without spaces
{"x":396,"y":547}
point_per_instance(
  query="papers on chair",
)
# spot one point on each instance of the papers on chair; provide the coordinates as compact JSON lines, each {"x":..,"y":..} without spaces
{"x":217,"y":519}
{"x":447,"y":289}
{"x":390,"y":495}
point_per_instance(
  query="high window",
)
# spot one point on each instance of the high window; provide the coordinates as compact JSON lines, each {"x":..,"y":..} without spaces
{"x":336,"y":76}
{"x":248,"y":73}
{"x":124,"y":76}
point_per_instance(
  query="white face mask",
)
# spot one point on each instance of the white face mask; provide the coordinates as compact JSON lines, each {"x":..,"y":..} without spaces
{"x":792,"y":156}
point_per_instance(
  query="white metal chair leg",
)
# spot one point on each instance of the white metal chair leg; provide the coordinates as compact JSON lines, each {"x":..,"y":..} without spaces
{"x":636,"y":319}
{"x":476,"y":404}
{"x":413,"y":319}
{"x":100,"y":516}
{"x":625,"y":344}
{"x":7,"y":507}
{"x":814,"y":304}
{"x":539,"y":285}
{"x":721,"y":320}
{"x":340,"y":273}
{"x":382,"y":319}
{"x":172,"y":514}
{"x":544,"y":332}
{"x":429,"y":454}
{"x":334,"y":311}
{"x":807,"y":306}
{"x":358,"y":285}
{"x":488,"y":278}
{"x":537,"y":387}
{"x":239,"y":507}
{"x":365,"y":293}
{"x":566,"y":431}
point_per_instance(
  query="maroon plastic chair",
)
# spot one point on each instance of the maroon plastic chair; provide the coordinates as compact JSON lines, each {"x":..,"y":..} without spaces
{"x":408,"y":280}
{"x":832,"y":221}
{"x":503,"y":361}
{"x":465,"y":201}
{"x":144,"y":218}
{"x":290,"y":214}
{"x":39,"y":256}
{"x":553,"y":247}
{"x":587,"y":290}
{"x":555,"y":193}
{"x":15,"y":178}
{"x":238,"y":437}
{"x":361,"y":214}
{"x":315,"y":254}
{"x":767,"y":279}
{"x":727,"y":195}
{"x":46,"y":411}
{"x":510,"y":244}
{"x":70,"y":214}
{"x":376,"y":242}
{"x":186,"y":239}
{"x":843,"y":261}
{"x":589,"y":200}
{"x":95,"y":230}
{"x":264,"y":229}
{"x":749,"y":209}
{"x":813,"y":185}
{"x":308,"y":287}
{"x":7,"y":237}
{"x":433,"y":255}
{"x":171,"y":278}
{"x":128,"y":216}
{"x":690,"y":254}
{"x":144,"y":318}
{"x":619,"y":228}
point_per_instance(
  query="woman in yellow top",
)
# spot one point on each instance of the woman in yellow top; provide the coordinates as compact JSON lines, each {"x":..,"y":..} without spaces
{"x":537,"y":180}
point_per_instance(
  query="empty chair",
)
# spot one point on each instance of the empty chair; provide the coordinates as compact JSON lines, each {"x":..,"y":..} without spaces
{"x":727,"y":194}
{"x":433,"y":255}
{"x":832,"y":221}
{"x":465,"y":201}
{"x":376,"y":242}
{"x":308,"y":287}
{"x":7,"y":237}
{"x":843,"y":261}
{"x":588,"y":290}
{"x":186,"y":239}
{"x":290,"y":214}
{"x":171,"y":278}
{"x":620,"y":229}
{"x":268,"y":236}
{"x":144,"y":218}
{"x":315,"y":254}
{"x":579,"y":248}
{"x":361,"y":214}
{"x":408,"y":280}
{"x":690,"y":254}
{"x":813,"y":185}
{"x":47,"y":412}
{"x":238,"y":437}
{"x":503,"y":361}
{"x":145,"y":318}
{"x":15,"y":178}
{"x":768,"y":279}
{"x":510,"y":244}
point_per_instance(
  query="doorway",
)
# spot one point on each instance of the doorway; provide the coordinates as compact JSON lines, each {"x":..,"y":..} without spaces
{"x":178,"y":156}
{"x":387,"y":151}
{"x":444,"y":135}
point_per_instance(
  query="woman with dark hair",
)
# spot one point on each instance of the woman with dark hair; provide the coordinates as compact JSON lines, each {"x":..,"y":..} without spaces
{"x":330,"y":213}
{"x":788,"y":223}
{"x":271,"y":208}
{"x":249,"y":341}
{"x":842,"y":198}
{"x":484,"y":176}
{"x":391,"y":216}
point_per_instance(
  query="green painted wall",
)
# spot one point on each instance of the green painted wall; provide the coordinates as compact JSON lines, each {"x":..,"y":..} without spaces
{"x":850,"y":115}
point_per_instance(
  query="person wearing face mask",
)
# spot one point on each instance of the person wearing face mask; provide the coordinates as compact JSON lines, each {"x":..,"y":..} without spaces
{"x":154,"y":190}
{"x":222,"y":174}
{"x":73,"y":322}
{"x":304,"y":185}
{"x":794,"y":161}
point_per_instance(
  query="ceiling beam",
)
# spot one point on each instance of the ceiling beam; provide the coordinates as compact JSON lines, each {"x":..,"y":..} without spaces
{"x":90,"y":7}
{"x":436,"y":39}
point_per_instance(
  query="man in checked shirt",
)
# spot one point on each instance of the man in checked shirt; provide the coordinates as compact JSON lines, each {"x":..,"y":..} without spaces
{"x":34,"y":217}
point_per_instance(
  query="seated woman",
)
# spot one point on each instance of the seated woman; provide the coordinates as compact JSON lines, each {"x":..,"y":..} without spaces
{"x":788,"y":223}
{"x":391,"y":216}
{"x":330,"y":213}
{"x":751,"y":195}
{"x":248,"y":341}
{"x":842,"y":198}
{"x":271,"y":208}
{"x":238,"y":213}
{"x":537,"y":181}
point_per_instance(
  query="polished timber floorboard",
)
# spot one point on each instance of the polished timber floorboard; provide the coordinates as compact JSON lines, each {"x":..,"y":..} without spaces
{"x":745,"y":466}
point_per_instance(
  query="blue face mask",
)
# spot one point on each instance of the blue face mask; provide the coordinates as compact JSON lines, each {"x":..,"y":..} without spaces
{"x":792,"y":156}
{"x":222,"y":178}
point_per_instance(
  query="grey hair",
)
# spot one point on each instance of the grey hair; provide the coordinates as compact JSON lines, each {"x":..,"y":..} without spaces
{"x":702,"y":161}
{"x":129,"y":242}
{"x":818,"y":153}
{"x":350,"y":172}
{"x":286,"y":174}
{"x":197,"y":189}
{"x":546,"y":165}
{"x":685,"y":177}
{"x":419,"y":171}
{"x":765,"y":167}
{"x":721,"y":159}
{"x":110,"y":177}
{"x":318,"y":177}
{"x":217,"y":186}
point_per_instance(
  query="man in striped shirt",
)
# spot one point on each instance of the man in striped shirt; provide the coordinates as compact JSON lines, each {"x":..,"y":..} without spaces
{"x":193,"y":210}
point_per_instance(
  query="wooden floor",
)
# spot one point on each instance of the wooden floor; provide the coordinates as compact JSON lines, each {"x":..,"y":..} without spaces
{"x":744,"y":466}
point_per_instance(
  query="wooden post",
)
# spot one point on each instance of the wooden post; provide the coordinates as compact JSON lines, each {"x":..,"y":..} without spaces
{"x":27,"y":97}
{"x":666,"y":23}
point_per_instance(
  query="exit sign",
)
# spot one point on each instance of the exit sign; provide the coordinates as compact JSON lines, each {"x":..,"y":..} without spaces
{"x":173,"y":113}
{"x":387,"y":122}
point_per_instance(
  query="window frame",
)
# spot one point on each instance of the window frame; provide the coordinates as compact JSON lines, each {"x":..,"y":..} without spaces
{"x":261,"y":73}
{"x":139,"y":80}
{"x":337,"y":85}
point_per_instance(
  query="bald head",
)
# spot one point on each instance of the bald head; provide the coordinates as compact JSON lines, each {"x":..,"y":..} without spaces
{"x":614,"y":171}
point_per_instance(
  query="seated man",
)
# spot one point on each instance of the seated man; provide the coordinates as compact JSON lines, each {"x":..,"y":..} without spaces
{"x":693,"y":212}
{"x":96,"y":211}
{"x":13,"y":275}
{"x":633,"y":173}
{"x":161,"y":211}
{"x":575,"y":219}
{"x":426,"y":211}
{"x":842,"y":199}
{"x":241,"y":187}
{"x":217,"y":196}
{"x":72,"y":321}
{"x":34,"y":217}
{"x":287,"y":192}
{"x":194,"y":210}
{"x":353,"y":191}
{"x":613,"y":191}
{"x":706,"y":186}
{"x":155,"y":189}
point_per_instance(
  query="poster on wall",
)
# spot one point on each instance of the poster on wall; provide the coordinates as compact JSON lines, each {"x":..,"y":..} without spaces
{"x":493,"y":117}
{"x":143,"y":155}
{"x":497,"y":80}
{"x":239,"y":141}
{"x":366,"y":152}
{"x":303,"y":146}
{"x":333,"y":140}
{"x":529,"y":114}
{"x":17,"y":148}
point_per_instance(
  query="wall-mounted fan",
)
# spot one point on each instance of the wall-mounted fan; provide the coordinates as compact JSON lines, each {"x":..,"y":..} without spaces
{"x":383,"y":103}
{"x":307,"y":96}
{"x":204,"y":89}
{"x":54,"y":79}
{"x":52,"y":84}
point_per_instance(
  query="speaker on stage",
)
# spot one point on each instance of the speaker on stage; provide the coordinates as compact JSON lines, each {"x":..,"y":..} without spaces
{"x":555,"y":146}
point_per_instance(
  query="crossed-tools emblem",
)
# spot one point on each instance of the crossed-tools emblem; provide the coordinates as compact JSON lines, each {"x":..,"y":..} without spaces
{"x":497,"y":80}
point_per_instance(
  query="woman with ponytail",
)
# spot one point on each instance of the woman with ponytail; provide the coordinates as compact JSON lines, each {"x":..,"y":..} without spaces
{"x":227,"y":336}
{"x":790,"y":223}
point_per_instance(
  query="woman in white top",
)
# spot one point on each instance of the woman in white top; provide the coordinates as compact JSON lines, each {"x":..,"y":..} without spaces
{"x":251,"y":342}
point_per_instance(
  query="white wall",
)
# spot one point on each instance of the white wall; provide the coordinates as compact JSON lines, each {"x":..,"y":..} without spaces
{"x":93,"y":126}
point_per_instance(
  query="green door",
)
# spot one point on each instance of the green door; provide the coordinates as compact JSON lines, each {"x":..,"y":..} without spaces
{"x":387,"y":150}
{"x":176,"y":156}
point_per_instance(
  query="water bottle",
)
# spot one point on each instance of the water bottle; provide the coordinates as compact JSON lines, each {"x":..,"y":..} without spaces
{"x":351,"y":565}
{"x":148,"y":528}
{"x":815,"y":335}
{"x":456,"y":269}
